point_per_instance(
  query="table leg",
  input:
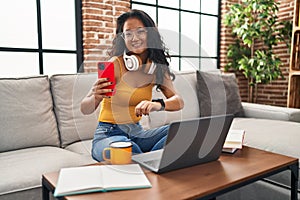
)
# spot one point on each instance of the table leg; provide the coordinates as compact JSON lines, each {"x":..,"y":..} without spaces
{"x":45,"y":191}
{"x":294,"y":181}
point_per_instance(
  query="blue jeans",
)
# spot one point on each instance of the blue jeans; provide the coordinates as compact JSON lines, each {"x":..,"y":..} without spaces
{"x":142,"y":140}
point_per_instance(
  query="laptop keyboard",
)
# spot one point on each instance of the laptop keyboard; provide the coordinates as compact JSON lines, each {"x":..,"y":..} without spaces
{"x":152,"y":163}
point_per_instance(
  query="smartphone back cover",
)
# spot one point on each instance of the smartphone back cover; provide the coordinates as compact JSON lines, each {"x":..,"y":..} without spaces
{"x":106,"y":70}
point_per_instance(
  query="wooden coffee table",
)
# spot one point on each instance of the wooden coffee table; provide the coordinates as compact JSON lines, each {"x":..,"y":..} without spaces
{"x":205,"y":181}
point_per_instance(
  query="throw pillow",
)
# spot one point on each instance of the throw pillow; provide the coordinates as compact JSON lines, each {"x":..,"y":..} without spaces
{"x":218,"y":94}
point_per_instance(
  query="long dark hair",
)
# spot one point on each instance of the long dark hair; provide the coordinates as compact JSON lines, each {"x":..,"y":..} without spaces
{"x":157,"y":51}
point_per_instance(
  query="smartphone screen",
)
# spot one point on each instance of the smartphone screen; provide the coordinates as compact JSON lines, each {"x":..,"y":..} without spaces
{"x":106,"y":70}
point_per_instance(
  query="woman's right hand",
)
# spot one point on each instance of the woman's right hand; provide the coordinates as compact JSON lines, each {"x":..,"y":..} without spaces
{"x":98,"y":91}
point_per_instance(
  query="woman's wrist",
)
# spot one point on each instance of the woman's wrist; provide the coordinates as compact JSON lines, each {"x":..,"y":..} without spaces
{"x":162,"y":103}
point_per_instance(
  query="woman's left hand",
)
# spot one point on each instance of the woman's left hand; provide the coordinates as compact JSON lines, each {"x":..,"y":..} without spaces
{"x":145,"y":107}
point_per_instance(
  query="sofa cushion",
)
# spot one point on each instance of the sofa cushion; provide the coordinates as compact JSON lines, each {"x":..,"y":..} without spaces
{"x":185,"y":85}
{"x":274,"y":136}
{"x":218,"y":94}
{"x":27,"y":118}
{"x":68,"y":91}
{"x":22,"y":169}
{"x":83,"y":147}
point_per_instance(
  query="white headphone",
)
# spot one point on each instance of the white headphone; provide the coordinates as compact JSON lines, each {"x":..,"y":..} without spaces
{"x":132,"y":63}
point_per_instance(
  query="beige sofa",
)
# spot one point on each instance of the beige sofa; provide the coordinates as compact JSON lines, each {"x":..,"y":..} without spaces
{"x":43,"y":130}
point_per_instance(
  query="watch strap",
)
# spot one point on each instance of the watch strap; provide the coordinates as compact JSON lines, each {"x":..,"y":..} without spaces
{"x":161,"y":101}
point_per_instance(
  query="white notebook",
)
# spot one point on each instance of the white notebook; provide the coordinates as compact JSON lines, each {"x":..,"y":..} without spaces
{"x":96,"y":178}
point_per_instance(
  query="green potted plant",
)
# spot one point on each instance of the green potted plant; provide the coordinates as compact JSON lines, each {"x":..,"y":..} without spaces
{"x":257,"y":31}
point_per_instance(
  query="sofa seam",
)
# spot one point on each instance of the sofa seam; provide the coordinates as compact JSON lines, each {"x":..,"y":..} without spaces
{"x":20,"y":190}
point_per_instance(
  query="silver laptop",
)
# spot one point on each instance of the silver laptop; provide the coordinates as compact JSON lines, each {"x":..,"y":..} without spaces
{"x":189,"y":142}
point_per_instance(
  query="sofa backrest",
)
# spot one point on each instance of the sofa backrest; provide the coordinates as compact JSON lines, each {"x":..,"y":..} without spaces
{"x":68,"y":90}
{"x":27,"y":118}
{"x":27,"y":104}
{"x":185,"y":84}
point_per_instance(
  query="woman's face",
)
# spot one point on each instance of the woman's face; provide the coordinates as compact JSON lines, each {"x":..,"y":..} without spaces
{"x":135,"y":35}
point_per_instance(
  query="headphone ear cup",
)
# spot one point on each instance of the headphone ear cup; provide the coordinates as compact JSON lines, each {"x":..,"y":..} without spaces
{"x":132,"y":63}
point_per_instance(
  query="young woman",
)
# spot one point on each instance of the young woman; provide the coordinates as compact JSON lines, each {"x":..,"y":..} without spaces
{"x":140,"y":63}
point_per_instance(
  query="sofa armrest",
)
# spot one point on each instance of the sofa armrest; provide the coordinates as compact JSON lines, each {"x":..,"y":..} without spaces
{"x":271,"y":112}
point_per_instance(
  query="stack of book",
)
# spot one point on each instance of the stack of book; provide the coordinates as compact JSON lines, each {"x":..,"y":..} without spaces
{"x":234,"y":141}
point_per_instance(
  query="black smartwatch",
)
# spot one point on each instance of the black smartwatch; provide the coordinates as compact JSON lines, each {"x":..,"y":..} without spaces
{"x":161,"y":101}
